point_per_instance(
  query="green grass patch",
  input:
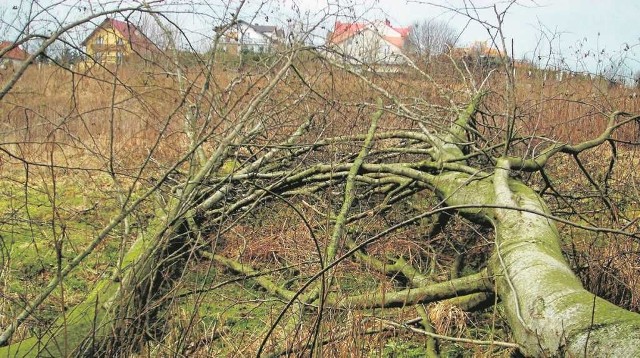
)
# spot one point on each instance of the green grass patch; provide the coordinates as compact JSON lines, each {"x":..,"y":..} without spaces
{"x":41,"y":232}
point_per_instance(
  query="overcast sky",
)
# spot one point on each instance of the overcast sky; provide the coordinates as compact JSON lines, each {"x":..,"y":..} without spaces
{"x":582,"y":35}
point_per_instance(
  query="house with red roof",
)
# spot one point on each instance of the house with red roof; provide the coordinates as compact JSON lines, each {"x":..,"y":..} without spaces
{"x":377,"y":44}
{"x":12,"y":54}
{"x":115,"y":41}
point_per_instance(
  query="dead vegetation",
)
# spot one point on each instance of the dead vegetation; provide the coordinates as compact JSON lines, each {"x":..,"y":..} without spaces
{"x":128,"y":127}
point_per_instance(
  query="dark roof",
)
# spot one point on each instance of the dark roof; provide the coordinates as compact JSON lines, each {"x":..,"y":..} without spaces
{"x":15,"y":53}
{"x":128,"y":31}
{"x":264,"y":29}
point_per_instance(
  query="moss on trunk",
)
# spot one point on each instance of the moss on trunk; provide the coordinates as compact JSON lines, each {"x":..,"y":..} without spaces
{"x":548,"y":310}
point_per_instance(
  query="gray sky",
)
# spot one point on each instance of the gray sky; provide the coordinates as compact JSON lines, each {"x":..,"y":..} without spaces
{"x":581,"y":35}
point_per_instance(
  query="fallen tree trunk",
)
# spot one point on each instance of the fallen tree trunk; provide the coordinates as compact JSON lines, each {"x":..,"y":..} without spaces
{"x":549,"y":311}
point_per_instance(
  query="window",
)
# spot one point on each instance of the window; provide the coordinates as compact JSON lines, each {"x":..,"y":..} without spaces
{"x":99,"y":40}
{"x":119,"y":58}
{"x":119,"y":41}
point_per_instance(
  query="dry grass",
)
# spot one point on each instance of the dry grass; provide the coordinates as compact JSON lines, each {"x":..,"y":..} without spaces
{"x":95,"y":121}
{"x":448,"y":319}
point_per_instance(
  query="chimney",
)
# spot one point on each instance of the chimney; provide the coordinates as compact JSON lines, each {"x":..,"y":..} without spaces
{"x":387,"y":22}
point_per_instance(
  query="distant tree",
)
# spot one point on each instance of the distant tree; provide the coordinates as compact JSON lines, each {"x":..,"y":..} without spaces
{"x":68,"y":56}
{"x":160,"y":31}
{"x":636,"y":79}
{"x":431,"y":37}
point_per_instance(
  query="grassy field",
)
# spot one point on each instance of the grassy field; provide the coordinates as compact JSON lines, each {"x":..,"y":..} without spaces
{"x":78,"y":147}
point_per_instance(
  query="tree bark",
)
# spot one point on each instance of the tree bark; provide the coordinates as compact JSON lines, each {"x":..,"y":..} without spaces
{"x":549,"y":311}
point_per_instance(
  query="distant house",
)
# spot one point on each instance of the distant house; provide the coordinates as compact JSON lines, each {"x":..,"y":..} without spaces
{"x":15,"y":56}
{"x":377,"y":44}
{"x":115,"y":41}
{"x":242,"y":36}
{"x":479,"y":54}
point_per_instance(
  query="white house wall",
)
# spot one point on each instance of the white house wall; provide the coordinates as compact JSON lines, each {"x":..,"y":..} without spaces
{"x":369,"y":47}
{"x":249,"y":39}
{"x":253,"y":40}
